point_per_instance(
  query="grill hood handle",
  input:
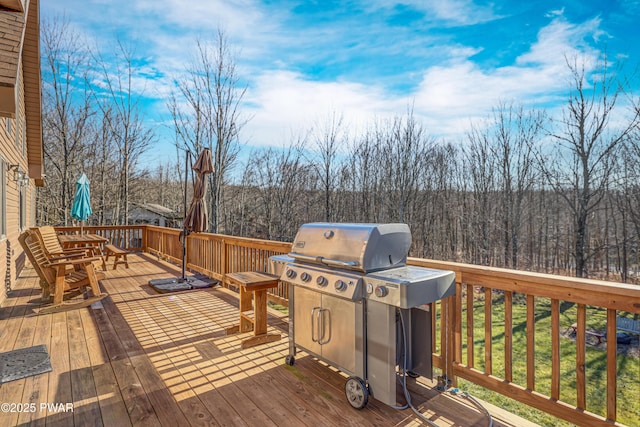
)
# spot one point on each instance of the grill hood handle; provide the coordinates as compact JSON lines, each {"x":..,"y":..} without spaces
{"x":326,"y":261}
{"x":337,"y":263}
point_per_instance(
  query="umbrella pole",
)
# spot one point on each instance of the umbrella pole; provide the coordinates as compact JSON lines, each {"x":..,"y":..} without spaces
{"x":184,"y":225}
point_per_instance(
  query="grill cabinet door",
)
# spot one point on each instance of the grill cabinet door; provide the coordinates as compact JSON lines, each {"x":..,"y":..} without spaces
{"x":339,"y":344}
{"x":306,"y":315}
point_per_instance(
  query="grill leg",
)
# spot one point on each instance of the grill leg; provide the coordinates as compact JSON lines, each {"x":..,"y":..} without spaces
{"x":292,"y":341}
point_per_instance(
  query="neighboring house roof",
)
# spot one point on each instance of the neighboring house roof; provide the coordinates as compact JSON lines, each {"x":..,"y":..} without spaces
{"x":20,"y":45}
{"x":159,"y":210}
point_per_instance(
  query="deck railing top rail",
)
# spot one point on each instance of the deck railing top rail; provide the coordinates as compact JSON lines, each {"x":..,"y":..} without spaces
{"x":614,"y":295}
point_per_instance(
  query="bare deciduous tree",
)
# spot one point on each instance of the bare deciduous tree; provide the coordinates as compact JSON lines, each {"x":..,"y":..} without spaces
{"x":67,"y":113}
{"x":206,"y":113}
{"x":328,"y":137}
{"x":481,"y":169}
{"x":587,"y":138}
{"x":406,"y":152}
{"x":515,"y":133}
{"x":118,"y":100}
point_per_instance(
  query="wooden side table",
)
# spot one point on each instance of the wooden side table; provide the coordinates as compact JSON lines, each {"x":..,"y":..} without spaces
{"x":253,"y":283}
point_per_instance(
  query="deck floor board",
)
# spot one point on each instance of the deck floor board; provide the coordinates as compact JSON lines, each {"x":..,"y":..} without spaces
{"x":140,"y":358}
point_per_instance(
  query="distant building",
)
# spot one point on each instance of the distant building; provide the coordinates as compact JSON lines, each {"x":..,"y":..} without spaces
{"x":21,"y":151}
{"x":152,"y":214}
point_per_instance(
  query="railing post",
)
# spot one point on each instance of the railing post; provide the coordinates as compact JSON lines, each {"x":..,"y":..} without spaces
{"x":145,"y":232}
{"x":447,"y":336}
{"x":456,"y":344}
{"x":224,"y":263}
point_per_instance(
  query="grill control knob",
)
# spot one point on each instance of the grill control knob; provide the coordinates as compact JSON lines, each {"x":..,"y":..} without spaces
{"x":340,"y":286}
{"x":322,"y":281}
{"x":382,"y":291}
{"x":291,"y":274}
{"x":305,"y":277}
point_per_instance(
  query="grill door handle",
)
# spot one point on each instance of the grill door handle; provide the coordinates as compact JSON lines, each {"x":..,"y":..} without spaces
{"x":316,"y":313}
{"x":325,"y":312}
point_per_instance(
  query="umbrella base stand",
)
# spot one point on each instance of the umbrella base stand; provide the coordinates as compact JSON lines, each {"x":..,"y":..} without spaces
{"x":176,"y":284}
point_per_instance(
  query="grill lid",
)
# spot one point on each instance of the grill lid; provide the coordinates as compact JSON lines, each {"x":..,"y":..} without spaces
{"x":358,"y":247}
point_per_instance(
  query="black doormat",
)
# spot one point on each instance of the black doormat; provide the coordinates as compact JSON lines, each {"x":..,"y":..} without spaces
{"x":24,"y":363}
{"x":176,"y":284}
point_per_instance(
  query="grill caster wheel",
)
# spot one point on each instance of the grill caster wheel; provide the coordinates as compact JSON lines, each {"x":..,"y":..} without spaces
{"x":290,"y":360}
{"x":357,"y":393}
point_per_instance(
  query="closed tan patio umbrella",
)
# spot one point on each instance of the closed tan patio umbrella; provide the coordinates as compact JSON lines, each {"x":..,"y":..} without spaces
{"x":195,"y":221}
{"x":196,"y":218}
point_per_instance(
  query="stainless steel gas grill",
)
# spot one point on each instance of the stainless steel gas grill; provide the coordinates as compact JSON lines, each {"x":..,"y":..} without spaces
{"x":356,"y":305}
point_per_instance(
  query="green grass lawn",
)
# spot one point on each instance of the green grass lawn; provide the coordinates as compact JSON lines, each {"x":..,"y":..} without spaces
{"x":628,"y":367}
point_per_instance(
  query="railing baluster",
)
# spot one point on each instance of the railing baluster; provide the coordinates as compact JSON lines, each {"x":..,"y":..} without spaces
{"x":612,"y":365}
{"x":453,"y":327}
{"x":531,"y":342}
{"x":581,"y":357}
{"x":508,"y":336}
{"x":470,"y":327}
{"x":458,"y":322}
{"x":555,"y":349}
{"x":488,"y":331}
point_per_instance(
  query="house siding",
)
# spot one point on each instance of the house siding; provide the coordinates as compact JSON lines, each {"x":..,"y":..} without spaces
{"x":12,"y":152}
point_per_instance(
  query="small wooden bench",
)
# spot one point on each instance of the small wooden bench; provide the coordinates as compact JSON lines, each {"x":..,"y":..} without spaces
{"x":599,"y":336}
{"x":117,"y":254}
{"x":256,"y":284}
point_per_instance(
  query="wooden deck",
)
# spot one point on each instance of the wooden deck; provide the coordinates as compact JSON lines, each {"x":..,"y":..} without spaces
{"x":164,"y":359}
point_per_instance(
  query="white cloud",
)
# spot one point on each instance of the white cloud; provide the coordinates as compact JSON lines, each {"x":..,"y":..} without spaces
{"x":450,"y":94}
{"x":452,"y":12}
{"x":281,"y":99}
{"x":463,"y":12}
{"x":285,"y":102}
{"x":561,"y":39}
{"x":555,"y":13}
{"x":449,"y":97}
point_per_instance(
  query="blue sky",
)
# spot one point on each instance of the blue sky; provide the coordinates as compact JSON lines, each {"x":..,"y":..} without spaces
{"x":366,"y":59}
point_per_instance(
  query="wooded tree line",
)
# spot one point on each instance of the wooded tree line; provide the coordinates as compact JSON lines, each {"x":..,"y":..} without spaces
{"x":522,"y":189}
{"x":492,"y":199}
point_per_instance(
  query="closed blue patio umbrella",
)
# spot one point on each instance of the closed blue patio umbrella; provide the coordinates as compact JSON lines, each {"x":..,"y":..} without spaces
{"x":81,"y":209}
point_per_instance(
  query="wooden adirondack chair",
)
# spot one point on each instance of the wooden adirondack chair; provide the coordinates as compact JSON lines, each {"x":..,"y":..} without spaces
{"x":54,"y":250}
{"x":56,"y":280}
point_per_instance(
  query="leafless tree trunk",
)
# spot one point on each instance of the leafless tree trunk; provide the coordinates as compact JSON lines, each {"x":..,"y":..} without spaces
{"x":481,"y":165}
{"x":328,"y":137}
{"x":516,"y":131}
{"x":406,"y":151}
{"x":365,"y":167}
{"x":101,"y":166}
{"x":121,"y":113}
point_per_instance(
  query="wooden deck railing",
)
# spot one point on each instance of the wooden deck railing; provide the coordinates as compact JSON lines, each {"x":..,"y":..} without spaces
{"x":543,"y":296}
{"x":130,"y":237}
{"x":216,"y":255}
{"x":485,"y":298}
